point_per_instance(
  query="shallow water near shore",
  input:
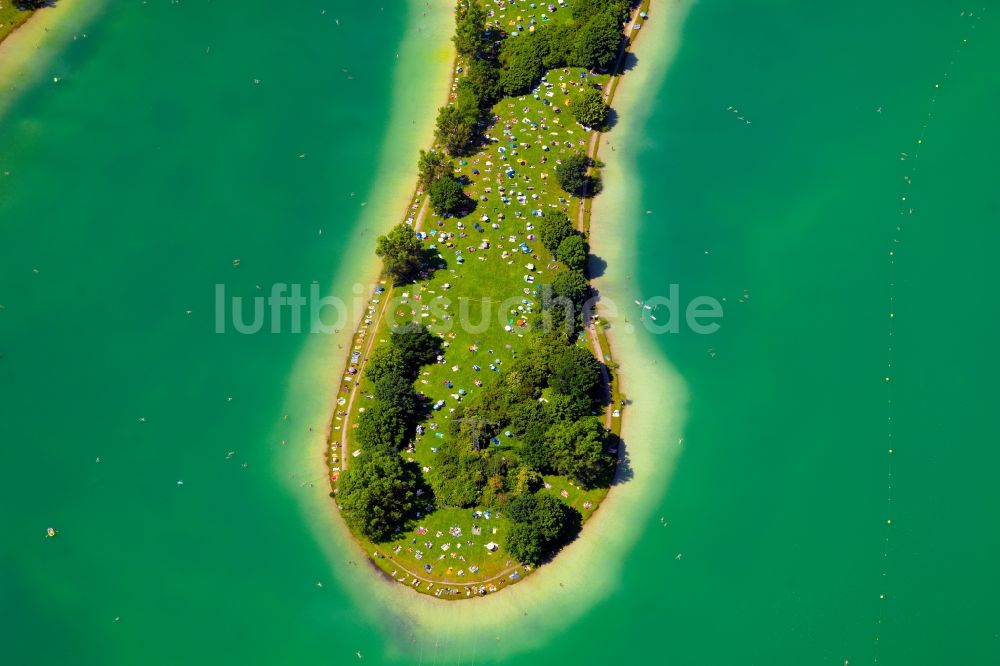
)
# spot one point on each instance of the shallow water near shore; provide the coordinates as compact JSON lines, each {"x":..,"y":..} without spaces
{"x":155,"y":162}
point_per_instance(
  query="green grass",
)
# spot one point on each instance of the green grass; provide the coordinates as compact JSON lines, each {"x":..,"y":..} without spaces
{"x":11,"y":17}
{"x":517,"y":11}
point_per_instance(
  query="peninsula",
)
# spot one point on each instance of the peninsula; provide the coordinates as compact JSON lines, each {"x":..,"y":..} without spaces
{"x":478,"y":419}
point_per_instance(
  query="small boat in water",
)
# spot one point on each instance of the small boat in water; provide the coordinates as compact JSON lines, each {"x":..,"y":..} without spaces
{"x":50,"y":532}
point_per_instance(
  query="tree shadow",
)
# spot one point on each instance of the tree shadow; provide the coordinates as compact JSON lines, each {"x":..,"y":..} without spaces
{"x":623,"y":470}
{"x":596,"y":267}
{"x":630,"y":62}
{"x":27,"y":5}
{"x":594,"y":187}
{"x":612,"y":120}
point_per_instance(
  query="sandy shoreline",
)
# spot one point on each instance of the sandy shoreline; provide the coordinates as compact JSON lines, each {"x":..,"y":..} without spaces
{"x":27,"y":51}
{"x":655,"y":389}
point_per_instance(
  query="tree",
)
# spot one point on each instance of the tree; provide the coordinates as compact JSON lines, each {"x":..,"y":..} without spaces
{"x":558,"y":42}
{"x":553,"y":228}
{"x":470,"y":22}
{"x":397,"y":392}
{"x":578,"y":451}
{"x":539,"y":522}
{"x":457,"y":477}
{"x":456,"y":129}
{"x":589,"y":109}
{"x":549,"y":517}
{"x":572,"y":173}
{"x":524,"y":542}
{"x":521,"y":61}
{"x":575,"y":372}
{"x":572,"y":251}
{"x":584,"y":10}
{"x":482,"y":80}
{"x":534,"y":451}
{"x":432,"y":166}
{"x":573,"y":286}
{"x":387,"y":359}
{"x":376,"y":493}
{"x":598,"y":41}
{"x":381,"y":426}
{"x":401,"y":253}
{"x":521,"y":508}
{"x":525,"y":481}
{"x":418,"y":345}
{"x":563,"y":407}
{"x":447,"y":196}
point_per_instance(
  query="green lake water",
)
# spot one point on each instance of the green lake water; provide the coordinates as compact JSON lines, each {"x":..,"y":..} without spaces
{"x":157,"y":160}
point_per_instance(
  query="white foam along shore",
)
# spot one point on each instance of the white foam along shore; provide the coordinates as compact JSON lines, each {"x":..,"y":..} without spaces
{"x":590,"y":568}
{"x":28,"y":51}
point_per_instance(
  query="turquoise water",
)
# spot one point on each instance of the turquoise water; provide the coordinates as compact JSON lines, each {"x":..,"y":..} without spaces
{"x":156,"y":161}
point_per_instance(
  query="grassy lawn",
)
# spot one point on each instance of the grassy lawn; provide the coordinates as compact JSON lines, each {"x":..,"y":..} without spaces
{"x":522,"y":12}
{"x":11,"y":17}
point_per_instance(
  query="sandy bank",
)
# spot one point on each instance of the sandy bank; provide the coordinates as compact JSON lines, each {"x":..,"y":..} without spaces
{"x":27,"y":52}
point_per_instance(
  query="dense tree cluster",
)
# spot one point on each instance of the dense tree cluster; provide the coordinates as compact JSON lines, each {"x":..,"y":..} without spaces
{"x":378,"y":490}
{"x":522,"y":425}
{"x":470,"y":28}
